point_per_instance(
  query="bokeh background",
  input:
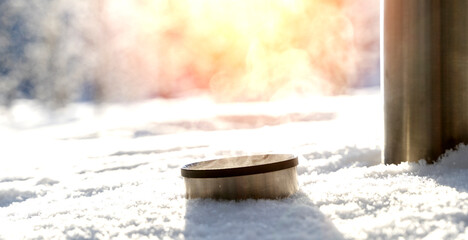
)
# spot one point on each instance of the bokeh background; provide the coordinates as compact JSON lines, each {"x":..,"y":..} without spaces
{"x":63,"y":51}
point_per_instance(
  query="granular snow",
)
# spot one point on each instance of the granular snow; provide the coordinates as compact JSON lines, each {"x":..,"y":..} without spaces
{"x":92,"y":178}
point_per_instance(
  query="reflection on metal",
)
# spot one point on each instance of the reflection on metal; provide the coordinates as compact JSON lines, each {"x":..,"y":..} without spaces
{"x":269,"y":176}
{"x":425,"y":78}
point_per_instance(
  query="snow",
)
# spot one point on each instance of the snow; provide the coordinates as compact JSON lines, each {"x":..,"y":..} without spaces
{"x":113,"y":171}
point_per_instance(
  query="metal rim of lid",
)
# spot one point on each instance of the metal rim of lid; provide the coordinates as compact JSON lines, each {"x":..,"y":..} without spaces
{"x":289,"y":162}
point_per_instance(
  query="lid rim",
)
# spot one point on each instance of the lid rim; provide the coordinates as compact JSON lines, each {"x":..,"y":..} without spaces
{"x":289,"y":162}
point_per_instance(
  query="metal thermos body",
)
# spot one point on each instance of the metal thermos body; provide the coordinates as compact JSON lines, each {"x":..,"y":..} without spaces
{"x":425,"y":78}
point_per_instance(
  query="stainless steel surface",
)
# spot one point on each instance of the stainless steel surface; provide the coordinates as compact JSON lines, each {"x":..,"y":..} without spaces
{"x":454,"y":72}
{"x":256,"y":176}
{"x":271,"y":185}
{"x":411,"y":82}
{"x":425,"y":81}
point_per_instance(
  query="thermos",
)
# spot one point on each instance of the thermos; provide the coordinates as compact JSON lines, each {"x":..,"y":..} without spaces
{"x":425,"y":78}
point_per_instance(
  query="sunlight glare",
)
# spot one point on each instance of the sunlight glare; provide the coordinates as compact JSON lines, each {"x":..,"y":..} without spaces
{"x":239,"y":50}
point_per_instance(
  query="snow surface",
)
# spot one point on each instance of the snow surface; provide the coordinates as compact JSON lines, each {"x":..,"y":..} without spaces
{"x":114,"y":172}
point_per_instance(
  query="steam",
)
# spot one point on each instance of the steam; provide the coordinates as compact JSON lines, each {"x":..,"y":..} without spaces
{"x":238,"y":162}
{"x":60,"y":51}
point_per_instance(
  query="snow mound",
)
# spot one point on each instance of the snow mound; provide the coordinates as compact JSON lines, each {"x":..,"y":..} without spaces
{"x":457,"y":158}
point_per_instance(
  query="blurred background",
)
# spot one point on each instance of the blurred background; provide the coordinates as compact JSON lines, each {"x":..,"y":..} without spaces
{"x":63,"y":51}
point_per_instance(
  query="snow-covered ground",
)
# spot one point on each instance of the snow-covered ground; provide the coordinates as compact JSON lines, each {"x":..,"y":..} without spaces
{"x":114,"y":172}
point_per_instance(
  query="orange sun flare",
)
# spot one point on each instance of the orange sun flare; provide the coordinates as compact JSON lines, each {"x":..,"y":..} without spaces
{"x":239,"y":50}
